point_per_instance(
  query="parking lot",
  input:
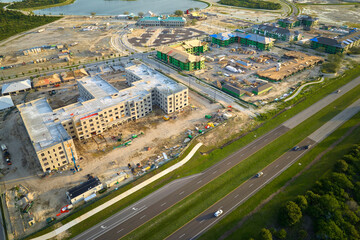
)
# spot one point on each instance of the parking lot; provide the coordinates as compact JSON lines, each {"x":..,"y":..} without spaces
{"x":154,"y":37}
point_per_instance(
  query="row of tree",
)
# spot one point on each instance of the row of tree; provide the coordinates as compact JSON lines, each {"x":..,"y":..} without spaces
{"x":331,"y":207}
{"x":259,"y":4}
{"x":34,"y":3}
{"x":14,"y":22}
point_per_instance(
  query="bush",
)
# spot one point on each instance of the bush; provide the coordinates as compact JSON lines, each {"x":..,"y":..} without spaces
{"x":290,"y":214}
{"x":265,"y":234}
{"x":281,"y":234}
{"x":252,"y":4}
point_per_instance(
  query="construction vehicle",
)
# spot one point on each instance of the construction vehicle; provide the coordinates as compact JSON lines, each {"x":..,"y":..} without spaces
{"x":52,"y":92}
{"x":166,"y":117}
{"x":208,"y":116}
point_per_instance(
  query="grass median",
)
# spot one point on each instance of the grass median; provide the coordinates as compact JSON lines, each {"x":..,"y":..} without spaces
{"x":269,"y":212}
{"x":175,"y":217}
{"x":198,"y":163}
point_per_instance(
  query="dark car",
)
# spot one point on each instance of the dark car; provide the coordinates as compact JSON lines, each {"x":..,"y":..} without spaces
{"x":307,"y":146}
{"x":296,"y":148}
{"x":7,"y":154}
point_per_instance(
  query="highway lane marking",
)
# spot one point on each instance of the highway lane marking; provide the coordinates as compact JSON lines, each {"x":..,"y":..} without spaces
{"x":253,"y":147}
{"x":241,"y":155}
{"x":288,"y":157}
{"x":199,"y":182}
{"x":236,"y":195}
{"x":143,"y":217}
{"x":202,"y":221}
{"x":214,"y":172}
{"x":181,"y":193}
{"x":228,"y":163}
{"x":120,"y":230}
{"x":251,"y":185}
{"x":276,"y":166}
{"x":182,"y":235}
{"x":163,"y":204}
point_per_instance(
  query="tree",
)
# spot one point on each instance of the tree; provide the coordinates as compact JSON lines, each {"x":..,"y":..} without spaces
{"x":193,"y":22}
{"x":329,"y":230}
{"x":141,"y":14}
{"x":93,"y":14}
{"x":126,"y":13}
{"x":301,"y":202}
{"x":179,"y":13}
{"x":341,"y":166}
{"x":281,"y":234}
{"x":290,"y":213}
{"x":265,"y":234}
{"x":302,"y":234}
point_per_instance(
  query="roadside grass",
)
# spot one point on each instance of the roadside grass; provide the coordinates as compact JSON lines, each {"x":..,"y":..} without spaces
{"x":170,"y":220}
{"x":197,"y":164}
{"x":267,"y":216}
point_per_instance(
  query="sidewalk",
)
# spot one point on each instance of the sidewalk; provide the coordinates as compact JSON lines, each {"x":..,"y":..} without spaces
{"x":120,"y":197}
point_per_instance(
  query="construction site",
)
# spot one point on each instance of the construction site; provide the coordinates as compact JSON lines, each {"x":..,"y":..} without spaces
{"x":250,"y":74}
{"x":34,"y":198}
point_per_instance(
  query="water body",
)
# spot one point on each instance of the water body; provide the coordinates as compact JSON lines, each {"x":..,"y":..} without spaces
{"x":117,"y":7}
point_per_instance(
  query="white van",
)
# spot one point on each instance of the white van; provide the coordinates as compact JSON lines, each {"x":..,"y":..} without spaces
{"x":3,"y":147}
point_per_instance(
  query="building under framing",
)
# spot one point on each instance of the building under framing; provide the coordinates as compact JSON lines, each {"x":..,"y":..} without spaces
{"x":247,"y":39}
{"x":338,"y":45}
{"x":101,"y":107}
{"x":183,"y":56}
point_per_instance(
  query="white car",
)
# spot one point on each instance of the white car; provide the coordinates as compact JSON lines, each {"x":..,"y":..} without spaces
{"x":259,"y":174}
{"x":218,"y":213}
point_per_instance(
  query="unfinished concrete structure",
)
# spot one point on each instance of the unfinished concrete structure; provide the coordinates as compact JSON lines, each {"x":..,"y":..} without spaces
{"x":101,"y":106}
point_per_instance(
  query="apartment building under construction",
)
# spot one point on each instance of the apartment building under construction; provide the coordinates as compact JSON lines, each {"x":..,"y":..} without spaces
{"x":101,"y":107}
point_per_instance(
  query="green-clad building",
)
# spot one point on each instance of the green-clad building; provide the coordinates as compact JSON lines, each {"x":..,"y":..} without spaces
{"x":338,"y":45}
{"x":247,"y":39}
{"x":276,"y":32}
{"x":182,"y":55}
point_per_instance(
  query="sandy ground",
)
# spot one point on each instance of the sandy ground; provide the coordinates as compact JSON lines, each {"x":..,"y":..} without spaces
{"x":69,"y":30}
{"x":102,"y":161}
{"x":336,"y":14}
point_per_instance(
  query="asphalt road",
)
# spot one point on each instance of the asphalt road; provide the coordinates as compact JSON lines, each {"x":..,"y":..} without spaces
{"x":116,"y":227}
{"x":229,"y":203}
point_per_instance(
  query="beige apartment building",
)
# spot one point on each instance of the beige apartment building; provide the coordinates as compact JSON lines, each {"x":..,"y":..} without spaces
{"x":101,"y":106}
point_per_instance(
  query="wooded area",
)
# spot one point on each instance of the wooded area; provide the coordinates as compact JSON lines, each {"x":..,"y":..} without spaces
{"x":329,"y":210}
{"x":252,"y":4}
{"x":14,"y":22}
{"x":34,"y":3}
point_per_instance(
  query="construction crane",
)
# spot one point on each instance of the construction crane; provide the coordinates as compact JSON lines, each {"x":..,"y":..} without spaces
{"x":73,"y":158}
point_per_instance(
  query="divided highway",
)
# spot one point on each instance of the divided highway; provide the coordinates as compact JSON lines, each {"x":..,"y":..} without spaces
{"x":120,"y":225}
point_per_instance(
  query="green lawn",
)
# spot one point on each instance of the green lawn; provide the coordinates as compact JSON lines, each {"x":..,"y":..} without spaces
{"x":171,"y":219}
{"x":200,"y":162}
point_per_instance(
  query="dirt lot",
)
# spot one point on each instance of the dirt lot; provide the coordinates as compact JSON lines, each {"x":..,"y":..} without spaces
{"x":336,"y":14}
{"x":100,"y":160}
{"x":86,"y":38}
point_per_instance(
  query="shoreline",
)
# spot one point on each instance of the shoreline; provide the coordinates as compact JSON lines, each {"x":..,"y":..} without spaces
{"x":67,"y":2}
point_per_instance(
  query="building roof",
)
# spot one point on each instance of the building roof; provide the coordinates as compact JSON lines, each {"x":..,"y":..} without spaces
{"x":83,"y":188}
{"x":307,"y":18}
{"x":288,"y":20}
{"x":16,"y":86}
{"x":272,"y":29}
{"x":339,"y":42}
{"x":6,"y":102}
{"x":223,"y":36}
{"x":44,"y":128}
{"x":233,"y":89}
{"x":180,"y":55}
{"x":254,"y":37}
{"x":80,"y":73}
{"x":46,"y":80}
{"x":189,"y":44}
{"x":263,"y":87}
